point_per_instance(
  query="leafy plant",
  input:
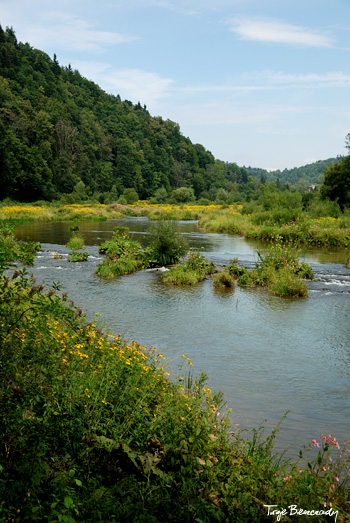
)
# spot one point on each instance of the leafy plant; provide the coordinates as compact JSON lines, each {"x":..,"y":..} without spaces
{"x":194,"y":269}
{"x":76,"y":242}
{"x":224,"y":279}
{"x":166,"y":245}
{"x":75,"y":256}
{"x":124,"y":255}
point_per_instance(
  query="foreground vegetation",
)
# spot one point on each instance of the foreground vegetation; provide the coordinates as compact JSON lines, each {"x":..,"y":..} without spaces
{"x":93,"y":429}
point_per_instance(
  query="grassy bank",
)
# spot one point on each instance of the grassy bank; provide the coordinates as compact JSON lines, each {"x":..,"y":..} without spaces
{"x":250,"y":221}
{"x":94,"y":429}
{"x":98,"y":212}
{"x":304,"y":229}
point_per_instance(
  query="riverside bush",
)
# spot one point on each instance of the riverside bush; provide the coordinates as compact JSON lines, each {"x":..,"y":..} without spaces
{"x":75,"y":256}
{"x":93,"y":430}
{"x":76,"y":242}
{"x":224,"y":279}
{"x":277,"y":269}
{"x":167,"y":245}
{"x":124,"y":255}
{"x":194,"y":269}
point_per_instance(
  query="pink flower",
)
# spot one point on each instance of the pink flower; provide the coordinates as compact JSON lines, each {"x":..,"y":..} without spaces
{"x":314,"y":443}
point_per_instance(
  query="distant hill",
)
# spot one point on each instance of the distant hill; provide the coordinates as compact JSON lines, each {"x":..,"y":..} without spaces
{"x":306,"y":175}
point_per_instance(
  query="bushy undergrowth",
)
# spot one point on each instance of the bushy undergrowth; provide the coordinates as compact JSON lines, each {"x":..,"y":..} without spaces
{"x":93,"y":430}
{"x":224,"y":279}
{"x":75,"y":242}
{"x":194,"y":269}
{"x":75,"y":256}
{"x":123,"y":255}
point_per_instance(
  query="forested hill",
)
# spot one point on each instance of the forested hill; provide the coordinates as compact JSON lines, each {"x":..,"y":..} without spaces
{"x":303,"y":176}
{"x":57,"y":129}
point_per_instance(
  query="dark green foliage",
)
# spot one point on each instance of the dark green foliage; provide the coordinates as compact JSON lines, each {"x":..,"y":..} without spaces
{"x":13,"y":251}
{"x":59,"y":131}
{"x":336,"y":184}
{"x":166,"y":244}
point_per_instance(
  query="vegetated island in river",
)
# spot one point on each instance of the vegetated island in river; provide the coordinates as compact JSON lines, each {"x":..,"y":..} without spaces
{"x":94,"y":429}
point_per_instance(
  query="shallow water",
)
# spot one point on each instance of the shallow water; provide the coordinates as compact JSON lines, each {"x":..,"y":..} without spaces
{"x":267,"y":354}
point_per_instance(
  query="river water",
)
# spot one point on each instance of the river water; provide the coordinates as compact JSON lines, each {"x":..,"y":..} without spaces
{"x":268,"y":355}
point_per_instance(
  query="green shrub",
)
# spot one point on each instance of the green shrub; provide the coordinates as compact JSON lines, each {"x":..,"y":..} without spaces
{"x":183,"y":194}
{"x":166,"y":245}
{"x":223,"y":279}
{"x":76,"y":256}
{"x":195,"y":261}
{"x":130,"y":195}
{"x":12,"y":250}
{"x":194,"y":269}
{"x":286,"y":284}
{"x":180,"y":275}
{"x":277,"y":269}
{"x":125,"y":264}
{"x":76,"y":242}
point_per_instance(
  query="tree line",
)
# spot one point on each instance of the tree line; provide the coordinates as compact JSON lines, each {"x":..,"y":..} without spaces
{"x":58,"y":129}
{"x":62,"y":135}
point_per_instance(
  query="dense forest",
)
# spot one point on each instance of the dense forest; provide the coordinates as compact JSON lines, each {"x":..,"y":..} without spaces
{"x":57,"y":129}
{"x":62,"y":134}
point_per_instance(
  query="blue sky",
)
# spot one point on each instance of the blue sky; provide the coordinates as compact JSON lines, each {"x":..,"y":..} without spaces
{"x":257,"y":82}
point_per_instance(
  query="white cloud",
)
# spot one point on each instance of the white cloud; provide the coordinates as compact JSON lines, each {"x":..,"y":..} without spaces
{"x":71,"y":32}
{"x":232,"y":114}
{"x":331,"y":79}
{"x":131,"y":84}
{"x":57,"y":29}
{"x":274,"y":31}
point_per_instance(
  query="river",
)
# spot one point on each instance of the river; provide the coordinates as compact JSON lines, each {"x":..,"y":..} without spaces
{"x":268,"y":355}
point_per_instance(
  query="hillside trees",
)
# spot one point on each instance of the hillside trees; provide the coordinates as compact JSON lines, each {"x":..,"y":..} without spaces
{"x":58,"y":128}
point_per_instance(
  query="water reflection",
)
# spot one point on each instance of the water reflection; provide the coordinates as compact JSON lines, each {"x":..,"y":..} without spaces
{"x":267,"y":354}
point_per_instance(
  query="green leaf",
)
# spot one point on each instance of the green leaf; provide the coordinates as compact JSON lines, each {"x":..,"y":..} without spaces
{"x":68,"y":502}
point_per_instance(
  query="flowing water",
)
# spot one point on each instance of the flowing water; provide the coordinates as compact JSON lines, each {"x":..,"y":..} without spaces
{"x":267,"y":354}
